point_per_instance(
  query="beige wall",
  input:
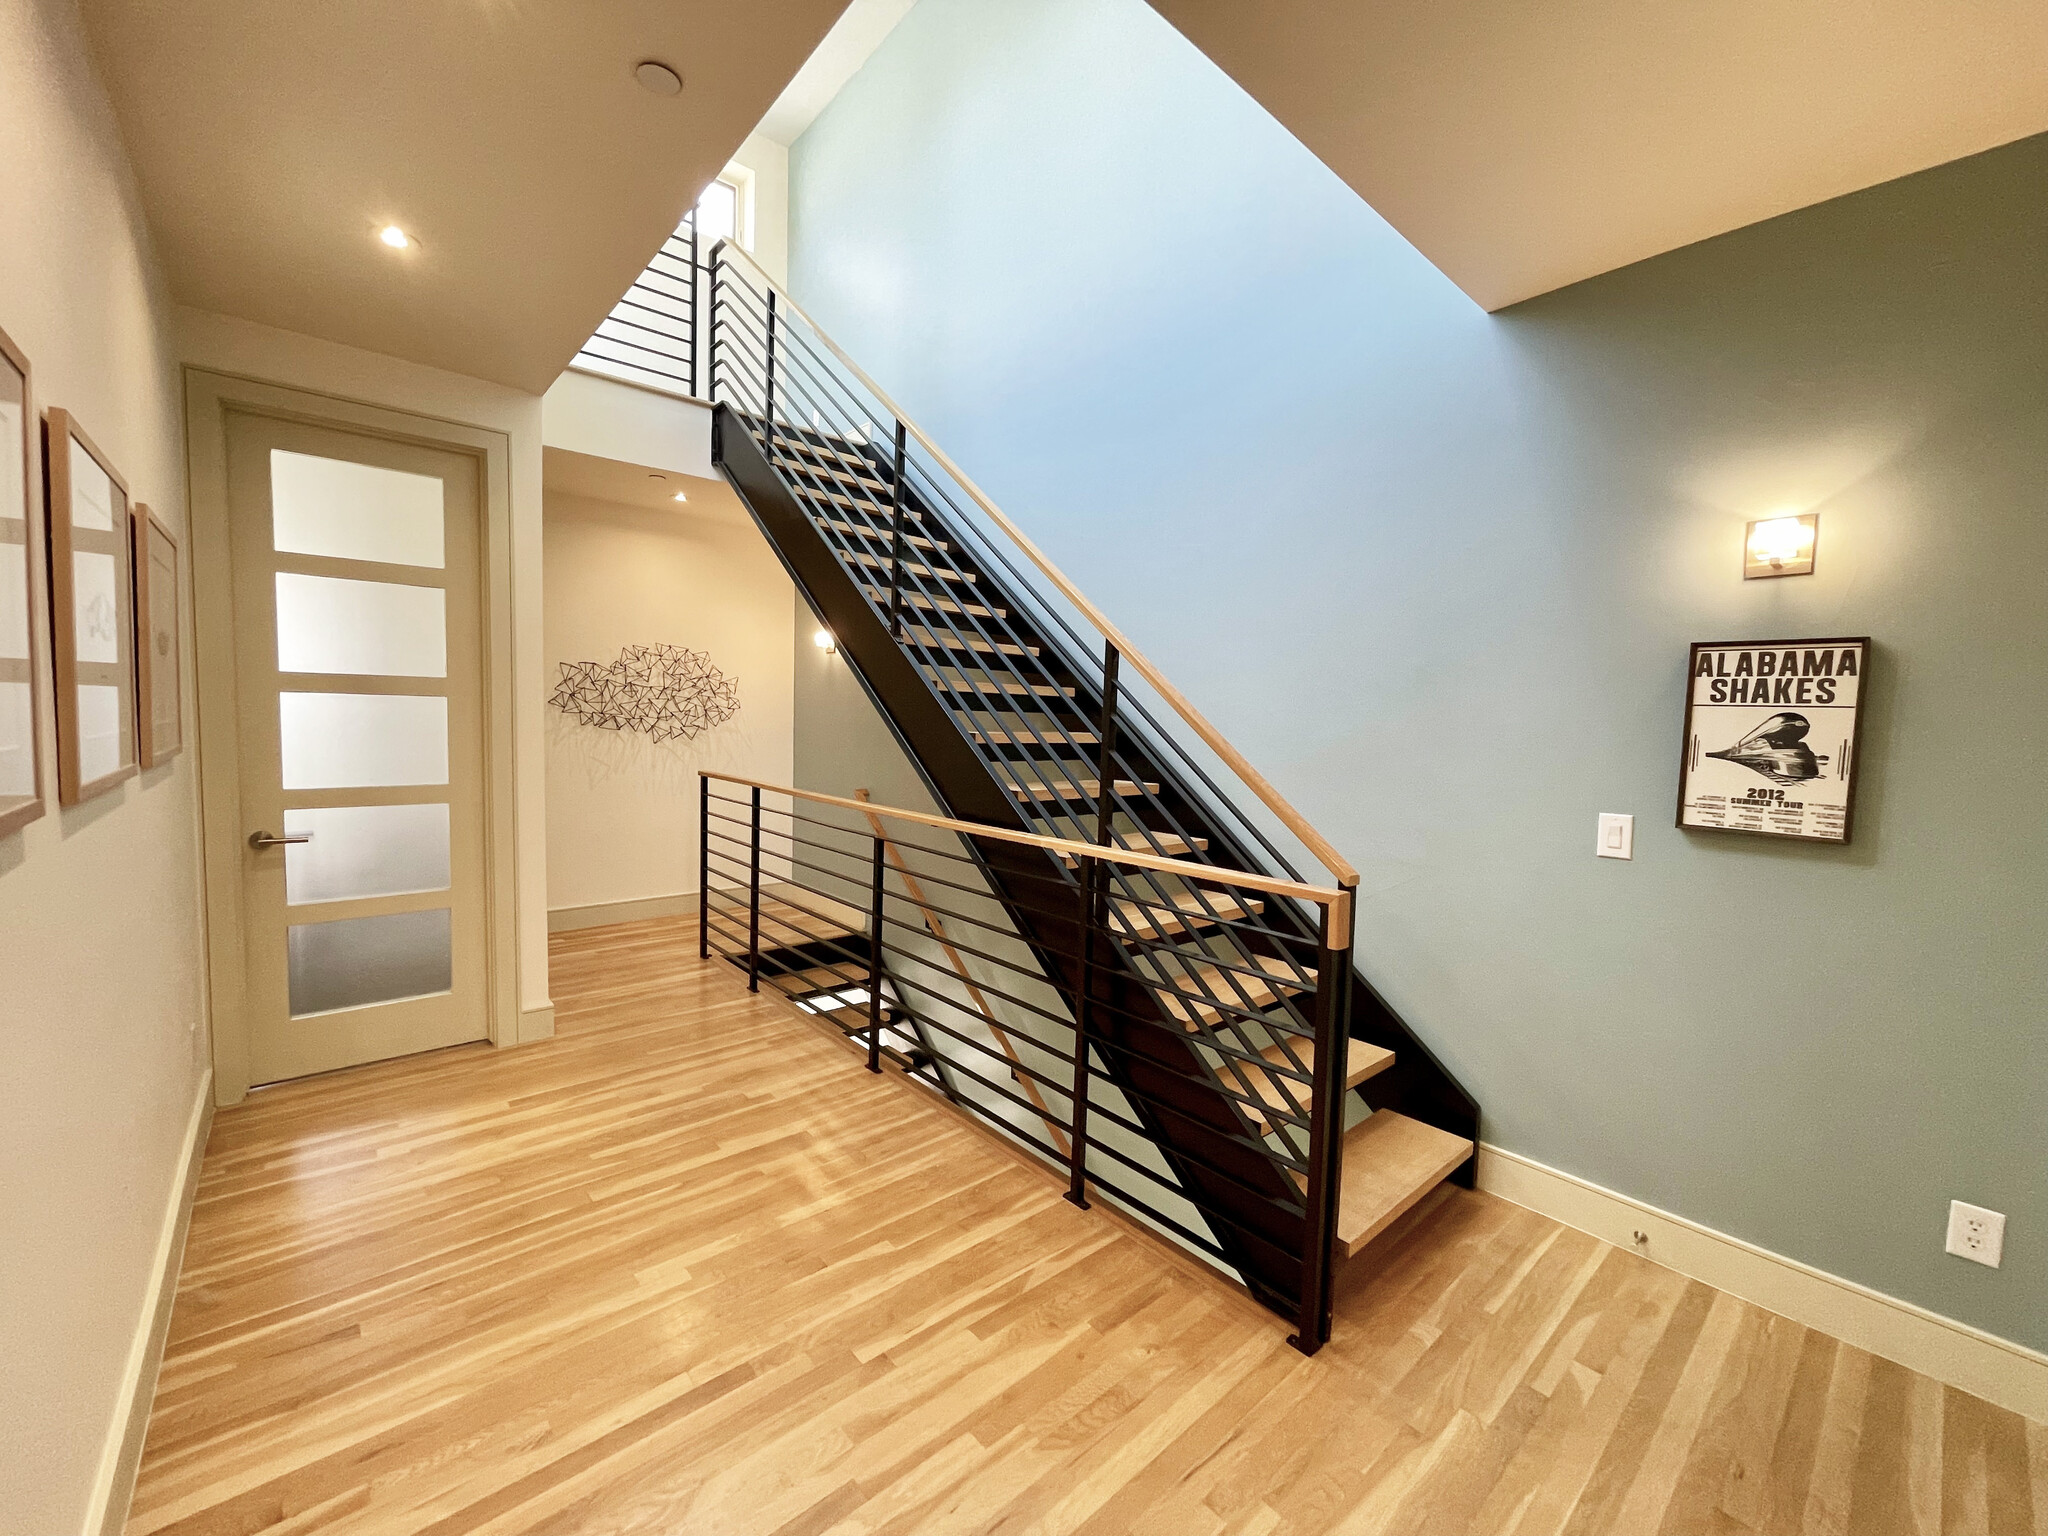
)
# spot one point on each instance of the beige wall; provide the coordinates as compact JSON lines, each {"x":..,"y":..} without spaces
{"x":102,"y":1008}
{"x":769,"y":162}
{"x":608,"y":420}
{"x":622,"y":810}
{"x":243,"y":347}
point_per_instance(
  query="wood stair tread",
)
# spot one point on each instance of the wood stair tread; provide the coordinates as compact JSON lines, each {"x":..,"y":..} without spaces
{"x":981,"y":682}
{"x":1147,"y":920}
{"x":910,"y":567}
{"x":1079,"y":789}
{"x":1053,"y":736}
{"x":1169,"y":845}
{"x":914,"y":540}
{"x":941,"y":604}
{"x":836,"y":498}
{"x":829,"y":471}
{"x":1362,"y":1060}
{"x":1390,"y":1162}
{"x":1257,"y":991}
{"x":953,"y":642}
{"x":839,"y":464}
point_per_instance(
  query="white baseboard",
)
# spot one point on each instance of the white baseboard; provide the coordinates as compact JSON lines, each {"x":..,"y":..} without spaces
{"x":603,"y":914}
{"x":537,"y":1024}
{"x":107,"y":1514}
{"x":1995,"y":1369}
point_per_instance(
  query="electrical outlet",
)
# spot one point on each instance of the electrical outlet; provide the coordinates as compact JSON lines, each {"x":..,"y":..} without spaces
{"x":1976,"y":1234}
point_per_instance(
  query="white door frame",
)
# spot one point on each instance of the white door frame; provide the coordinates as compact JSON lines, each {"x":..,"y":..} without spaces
{"x":210,"y":398}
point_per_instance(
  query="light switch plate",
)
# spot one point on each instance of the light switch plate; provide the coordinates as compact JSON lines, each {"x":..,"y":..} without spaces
{"x":1976,"y":1234}
{"x":1617,"y":836}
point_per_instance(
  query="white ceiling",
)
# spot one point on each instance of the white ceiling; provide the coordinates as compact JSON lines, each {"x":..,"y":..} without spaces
{"x":1523,"y":147}
{"x":273,"y":138}
{"x":854,"y":37}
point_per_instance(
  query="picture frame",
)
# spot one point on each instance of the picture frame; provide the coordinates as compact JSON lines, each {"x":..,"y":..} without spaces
{"x":92,"y":611}
{"x":159,"y":697}
{"x":1773,"y":737}
{"x":21,"y":567}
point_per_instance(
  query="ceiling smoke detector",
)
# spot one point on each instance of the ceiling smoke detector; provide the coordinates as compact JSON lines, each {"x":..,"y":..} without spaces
{"x":658,"y":78}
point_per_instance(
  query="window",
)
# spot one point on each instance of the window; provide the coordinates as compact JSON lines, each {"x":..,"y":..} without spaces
{"x":723,"y":211}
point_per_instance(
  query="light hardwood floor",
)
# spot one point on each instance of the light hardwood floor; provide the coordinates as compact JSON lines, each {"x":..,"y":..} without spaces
{"x":688,"y":1269}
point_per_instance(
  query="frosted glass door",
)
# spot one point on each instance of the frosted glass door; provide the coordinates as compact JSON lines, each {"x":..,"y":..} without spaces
{"x":357,"y":563}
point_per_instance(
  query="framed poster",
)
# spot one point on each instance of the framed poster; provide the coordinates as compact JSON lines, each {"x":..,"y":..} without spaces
{"x":92,"y":611}
{"x":1771,"y":733}
{"x":21,"y":767}
{"x":158,"y":702}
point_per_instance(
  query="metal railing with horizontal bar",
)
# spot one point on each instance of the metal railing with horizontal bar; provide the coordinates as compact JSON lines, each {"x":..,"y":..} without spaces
{"x":650,"y":337}
{"x":859,"y":914}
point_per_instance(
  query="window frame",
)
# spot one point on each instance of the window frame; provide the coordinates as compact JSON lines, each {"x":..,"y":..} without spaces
{"x":741,"y":180}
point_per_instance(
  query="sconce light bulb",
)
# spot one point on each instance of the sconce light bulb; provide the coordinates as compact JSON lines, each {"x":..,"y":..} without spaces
{"x":1779,"y":540}
{"x":824,"y":641}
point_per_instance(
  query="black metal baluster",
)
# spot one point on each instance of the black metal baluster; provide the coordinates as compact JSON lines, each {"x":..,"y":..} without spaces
{"x":1106,"y":749}
{"x":1077,"y":1152}
{"x":896,"y":539}
{"x":703,"y":868}
{"x":695,"y":332}
{"x":875,"y":966}
{"x":1326,"y":1129}
{"x":754,"y":899}
{"x":768,"y":416}
{"x":1093,"y":916}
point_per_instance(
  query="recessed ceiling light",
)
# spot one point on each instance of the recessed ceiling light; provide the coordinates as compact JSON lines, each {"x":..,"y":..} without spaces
{"x":658,"y":78}
{"x":394,"y":237}
{"x":681,"y":497}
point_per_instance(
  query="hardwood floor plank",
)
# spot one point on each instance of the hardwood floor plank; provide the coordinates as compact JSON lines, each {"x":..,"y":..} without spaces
{"x":686,"y":1268}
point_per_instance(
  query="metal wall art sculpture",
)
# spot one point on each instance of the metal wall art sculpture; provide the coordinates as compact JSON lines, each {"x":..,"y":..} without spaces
{"x":662,"y":691}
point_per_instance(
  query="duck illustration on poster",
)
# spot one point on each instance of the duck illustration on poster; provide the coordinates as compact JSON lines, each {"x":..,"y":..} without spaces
{"x":1770,"y":737}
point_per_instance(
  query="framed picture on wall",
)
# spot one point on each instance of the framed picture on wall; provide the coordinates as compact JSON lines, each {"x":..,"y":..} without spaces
{"x":158,"y":701}
{"x":1771,"y":735}
{"x":92,"y":611}
{"x":21,"y":767}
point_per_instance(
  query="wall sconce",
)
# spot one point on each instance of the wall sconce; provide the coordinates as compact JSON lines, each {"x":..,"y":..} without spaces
{"x":1780,"y":546}
{"x":823,"y":641}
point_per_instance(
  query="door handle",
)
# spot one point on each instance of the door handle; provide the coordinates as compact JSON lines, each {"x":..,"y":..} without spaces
{"x":265,"y":840}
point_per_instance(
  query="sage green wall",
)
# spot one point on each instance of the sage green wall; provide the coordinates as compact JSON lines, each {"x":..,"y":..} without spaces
{"x":1436,"y":571}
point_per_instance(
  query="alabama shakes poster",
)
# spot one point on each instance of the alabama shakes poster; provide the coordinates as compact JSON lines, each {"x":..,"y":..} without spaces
{"x":1770,"y":737}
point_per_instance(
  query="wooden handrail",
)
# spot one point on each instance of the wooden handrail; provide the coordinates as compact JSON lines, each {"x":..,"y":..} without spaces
{"x":1337,"y":899}
{"x":1293,"y":820}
